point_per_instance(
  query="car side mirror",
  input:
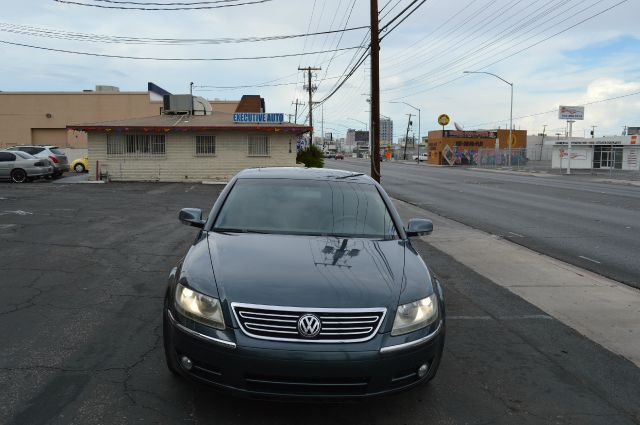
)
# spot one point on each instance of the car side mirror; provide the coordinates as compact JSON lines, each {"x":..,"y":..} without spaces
{"x":419,"y":227}
{"x":191,"y":217}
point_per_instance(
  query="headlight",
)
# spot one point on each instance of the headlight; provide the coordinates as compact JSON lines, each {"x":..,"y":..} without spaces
{"x":199,"y":307}
{"x":416,"y":315}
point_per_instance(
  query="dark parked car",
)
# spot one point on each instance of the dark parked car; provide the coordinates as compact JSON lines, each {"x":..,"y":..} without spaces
{"x":339,"y":156}
{"x":304,"y":283}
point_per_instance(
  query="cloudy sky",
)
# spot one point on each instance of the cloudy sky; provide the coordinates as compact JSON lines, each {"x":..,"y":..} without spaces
{"x":568,"y":52}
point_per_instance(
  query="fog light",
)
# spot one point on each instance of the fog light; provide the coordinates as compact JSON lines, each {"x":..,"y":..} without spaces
{"x":188,"y":364}
{"x":422,"y":370}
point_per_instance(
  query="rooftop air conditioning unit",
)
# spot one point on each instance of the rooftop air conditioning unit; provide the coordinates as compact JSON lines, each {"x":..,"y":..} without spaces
{"x":112,"y":89}
{"x":177,"y":103}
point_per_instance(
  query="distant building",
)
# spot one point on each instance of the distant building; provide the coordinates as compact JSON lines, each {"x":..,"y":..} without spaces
{"x":454,"y":147}
{"x":599,"y":153}
{"x":386,"y":131}
{"x":42,"y":117}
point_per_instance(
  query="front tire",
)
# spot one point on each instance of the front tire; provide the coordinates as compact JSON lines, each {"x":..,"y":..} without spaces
{"x":18,"y":175}
{"x":79,"y":168}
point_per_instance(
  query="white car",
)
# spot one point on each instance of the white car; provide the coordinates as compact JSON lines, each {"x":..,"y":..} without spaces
{"x":422,"y":157}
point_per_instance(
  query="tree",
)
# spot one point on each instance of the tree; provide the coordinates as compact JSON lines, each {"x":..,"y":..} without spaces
{"x":311,"y":157}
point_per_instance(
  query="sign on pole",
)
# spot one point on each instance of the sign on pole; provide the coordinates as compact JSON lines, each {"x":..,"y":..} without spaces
{"x":443,"y":119}
{"x":571,"y":112}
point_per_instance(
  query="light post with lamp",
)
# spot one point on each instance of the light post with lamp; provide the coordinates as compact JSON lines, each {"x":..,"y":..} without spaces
{"x":419,"y":119}
{"x":510,"y":114}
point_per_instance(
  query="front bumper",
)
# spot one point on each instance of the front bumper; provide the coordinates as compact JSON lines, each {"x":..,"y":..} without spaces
{"x":303,"y":373}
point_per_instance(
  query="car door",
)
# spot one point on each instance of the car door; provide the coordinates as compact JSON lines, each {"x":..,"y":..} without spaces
{"x":7,"y":160}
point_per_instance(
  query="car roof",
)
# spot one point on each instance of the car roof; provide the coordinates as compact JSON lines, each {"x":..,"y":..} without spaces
{"x":299,"y":173}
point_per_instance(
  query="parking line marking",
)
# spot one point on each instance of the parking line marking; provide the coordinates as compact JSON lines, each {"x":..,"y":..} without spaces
{"x":590,"y":259}
{"x":520,"y":317}
{"x":468,"y":317}
{"x":517,"y":234}
{"x":17,"y":212}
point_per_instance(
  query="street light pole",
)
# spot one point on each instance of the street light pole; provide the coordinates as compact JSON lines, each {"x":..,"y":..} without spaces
{"x":510,"y":113}
{"x":419,"y":120}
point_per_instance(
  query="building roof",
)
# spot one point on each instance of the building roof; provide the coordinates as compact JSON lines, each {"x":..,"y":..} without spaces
{"x":219,"y":121}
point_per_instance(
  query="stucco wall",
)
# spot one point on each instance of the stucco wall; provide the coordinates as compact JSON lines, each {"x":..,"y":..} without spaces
{"x":22,"y":112}
{"x":180,"y":163}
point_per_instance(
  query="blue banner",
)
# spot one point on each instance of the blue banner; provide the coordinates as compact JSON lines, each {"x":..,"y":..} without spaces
{"x":258,"y":117}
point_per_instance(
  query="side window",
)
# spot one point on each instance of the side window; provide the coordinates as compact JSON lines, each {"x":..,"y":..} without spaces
{"x":7,"y":157}
{"x":258,"y":145}
{"x":205,"y":146}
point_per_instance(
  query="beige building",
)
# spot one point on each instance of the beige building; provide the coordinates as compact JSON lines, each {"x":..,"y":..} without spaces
{"x":177,"y":148}
{"x":43,"y":117}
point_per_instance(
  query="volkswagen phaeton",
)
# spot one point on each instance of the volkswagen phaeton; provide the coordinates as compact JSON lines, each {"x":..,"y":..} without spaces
{"x":304,"y":283}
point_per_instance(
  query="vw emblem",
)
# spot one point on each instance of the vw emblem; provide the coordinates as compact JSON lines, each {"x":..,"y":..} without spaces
{"x":309,"y":325}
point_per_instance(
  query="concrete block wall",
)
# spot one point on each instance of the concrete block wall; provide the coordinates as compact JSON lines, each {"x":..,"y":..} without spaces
{"x":180,"y":164}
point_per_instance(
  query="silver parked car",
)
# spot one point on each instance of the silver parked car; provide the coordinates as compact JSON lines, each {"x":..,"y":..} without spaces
{"x":53,"y":153}
{"x":22,"y":167}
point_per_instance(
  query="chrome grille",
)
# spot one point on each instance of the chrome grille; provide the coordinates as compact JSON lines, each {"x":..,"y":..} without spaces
{"x":281,"y":323}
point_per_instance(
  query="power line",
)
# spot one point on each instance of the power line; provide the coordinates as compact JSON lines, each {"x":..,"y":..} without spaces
{"x":390,"y":10}
{"x":491,"y":43}
{"x":166,"y":4}
{"x":397,"y":16}
{"x":100,"y":38}
{"x":556,"y":110}
{"x":292,"y":83}
{"x":346,"y":76}
{"x":401,"y":20}
{"x":412,"y":52}
{"x":518,"y":51}
{"x":171,"y":59}
{"x":101,"y":6}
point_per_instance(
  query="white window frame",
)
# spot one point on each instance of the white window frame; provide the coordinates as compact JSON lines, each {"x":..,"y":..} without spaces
{"x":255,"y":138}
{"x":211,"y":145}
{"x":136,"y":145}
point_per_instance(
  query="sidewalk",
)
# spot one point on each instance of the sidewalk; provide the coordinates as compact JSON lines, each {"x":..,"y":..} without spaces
{"x":617,"y":179}
{"x":603,"y":310}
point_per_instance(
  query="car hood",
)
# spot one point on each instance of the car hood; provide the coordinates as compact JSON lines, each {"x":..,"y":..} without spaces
{"x":303,"y":271}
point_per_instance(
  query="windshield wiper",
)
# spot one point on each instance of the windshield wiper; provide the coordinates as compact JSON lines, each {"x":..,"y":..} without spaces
{"x":238,"y":230}
{"x":350,"y":175}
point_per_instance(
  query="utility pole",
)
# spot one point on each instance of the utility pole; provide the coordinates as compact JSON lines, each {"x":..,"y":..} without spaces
{"x":297,"y":104}
{"x":191,"y":94}
{"x":322,"y":123}
{"x":593,"y":131}
{"x":375,"y":92}
{"x":311,"y":89}
{"x":544,"y":128}
{"x":406,"y":139}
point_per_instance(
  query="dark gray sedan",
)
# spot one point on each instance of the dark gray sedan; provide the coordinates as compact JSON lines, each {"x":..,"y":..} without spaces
{"x":304,"y":283}
{"x":21,"y":167}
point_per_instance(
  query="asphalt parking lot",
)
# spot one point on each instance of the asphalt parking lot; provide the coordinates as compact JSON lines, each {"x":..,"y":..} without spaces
{"x":83,"y":269}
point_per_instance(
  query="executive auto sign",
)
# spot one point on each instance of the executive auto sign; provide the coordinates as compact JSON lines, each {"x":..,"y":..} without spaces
{"x":251,"y":117}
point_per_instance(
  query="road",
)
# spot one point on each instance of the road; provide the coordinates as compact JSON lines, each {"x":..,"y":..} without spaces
{"x":83,"y":270}
{"x":590,"y":224}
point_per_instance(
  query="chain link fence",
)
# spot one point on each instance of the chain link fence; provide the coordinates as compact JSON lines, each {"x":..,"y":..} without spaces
{"x":605,"y":161}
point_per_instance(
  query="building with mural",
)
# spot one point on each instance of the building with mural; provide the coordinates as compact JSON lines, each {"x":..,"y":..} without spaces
{"x":454,"y":147}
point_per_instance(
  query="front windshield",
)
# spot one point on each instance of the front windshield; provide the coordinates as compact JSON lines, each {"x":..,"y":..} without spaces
{"x":306,"y":207}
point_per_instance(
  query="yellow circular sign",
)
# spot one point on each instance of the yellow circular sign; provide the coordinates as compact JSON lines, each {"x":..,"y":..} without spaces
{"x":443,"y":119}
